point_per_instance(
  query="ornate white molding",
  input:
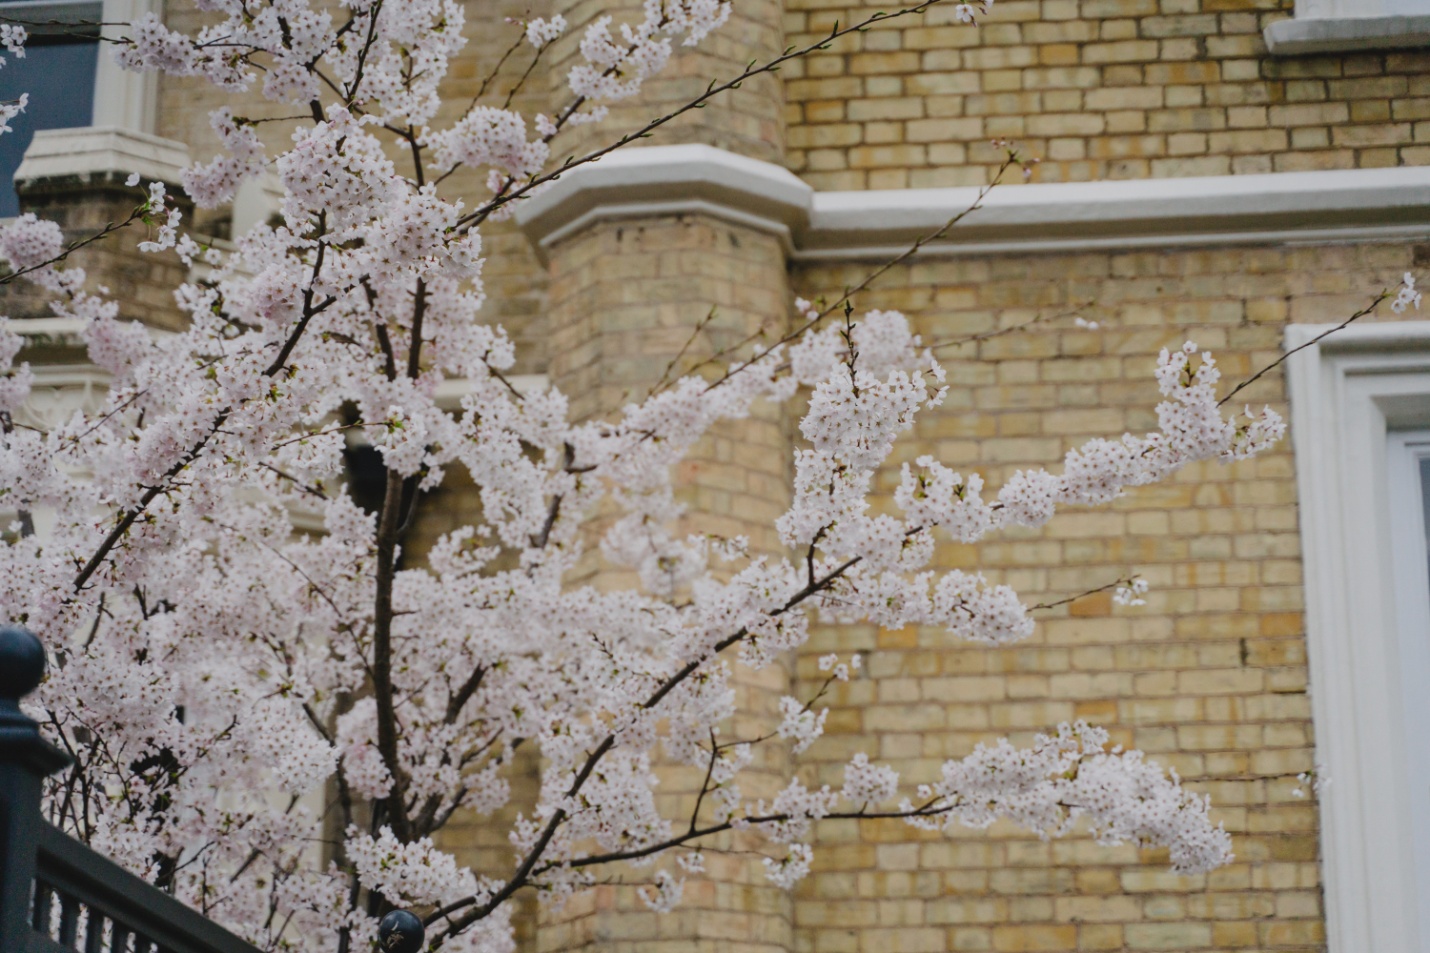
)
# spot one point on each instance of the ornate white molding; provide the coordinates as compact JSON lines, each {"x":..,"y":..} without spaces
{"x":1223,"y":209}
{"x":60,"y":391}
{"x":1350,"y":205}
{"x":93,"y":154}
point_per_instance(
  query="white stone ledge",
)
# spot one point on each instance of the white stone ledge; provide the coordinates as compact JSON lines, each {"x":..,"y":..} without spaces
{"x":92,"y":153}
{"x":1310,"y":35}
{"x":1240,"y":209}
{"x":1277,"y":208}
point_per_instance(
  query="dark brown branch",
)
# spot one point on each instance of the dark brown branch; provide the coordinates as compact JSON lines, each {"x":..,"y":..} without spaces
{"x":419,"y":311}
{"x":356,"y":84}
{"x":305,"y":487}
{"x":1000,"y":332}
{"x":309,"y":309}
{"x":464,"y":694}
{"x":387,"y":544}
{"x":705,"y":784}
{"x":1124,"y":581}
{"x":929,"y":809}
{"x":127,"y":519}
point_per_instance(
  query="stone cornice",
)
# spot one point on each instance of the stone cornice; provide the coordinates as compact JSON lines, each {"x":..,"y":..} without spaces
{"x":92,"y":154}
{"x":1349,"y":205}
{"x":668,"y":180}
{"x":1354,"y":204}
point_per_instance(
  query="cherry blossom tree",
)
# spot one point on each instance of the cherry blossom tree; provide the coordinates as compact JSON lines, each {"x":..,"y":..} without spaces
{"x":232,"y":687}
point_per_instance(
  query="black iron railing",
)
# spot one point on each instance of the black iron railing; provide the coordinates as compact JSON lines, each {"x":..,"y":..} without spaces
{"x":83,"y":901}
{"x":57,"y":895}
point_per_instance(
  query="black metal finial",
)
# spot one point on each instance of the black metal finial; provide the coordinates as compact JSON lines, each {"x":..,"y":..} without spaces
{"x":22,"y":663}
{"x":401,"y":931}
{"x":22,"y":666}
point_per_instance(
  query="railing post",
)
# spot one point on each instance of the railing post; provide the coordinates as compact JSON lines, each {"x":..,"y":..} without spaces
{"x":26,"y":760}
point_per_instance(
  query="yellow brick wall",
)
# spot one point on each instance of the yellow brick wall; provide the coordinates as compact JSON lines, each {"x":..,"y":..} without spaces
{"x":1098,"y":89}
{"x":1209,"y":677}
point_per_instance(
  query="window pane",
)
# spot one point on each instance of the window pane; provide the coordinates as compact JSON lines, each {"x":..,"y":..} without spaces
{"x":59,"y":76}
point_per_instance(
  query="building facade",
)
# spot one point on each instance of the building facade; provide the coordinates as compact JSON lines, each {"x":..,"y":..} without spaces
{"x":1241,"y":173}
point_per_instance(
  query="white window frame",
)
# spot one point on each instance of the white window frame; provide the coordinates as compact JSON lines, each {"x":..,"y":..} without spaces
{"x":125,"y":99}
{"x":1351,"y":396}
{"x":1407,"y":450}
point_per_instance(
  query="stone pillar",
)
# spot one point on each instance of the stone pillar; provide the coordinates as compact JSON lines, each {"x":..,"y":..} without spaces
{"x":76,"y":177}
{"x":640,"y":247}
{"x":625,"y":297}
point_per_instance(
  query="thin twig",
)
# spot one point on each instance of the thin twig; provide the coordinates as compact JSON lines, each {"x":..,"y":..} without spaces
{"x":1124,"y":581}
{"x":75,"y":246}
{"x":849,"y":293}
{"x":1011,"y":329}
{"x":1324,"y":334}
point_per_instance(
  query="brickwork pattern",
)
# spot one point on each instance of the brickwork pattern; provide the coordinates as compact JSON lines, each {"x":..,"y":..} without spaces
{"x":1209,"y":677}
{"x":624,"y":299}
{"x":1098,"y":89}
{"x":748,"y":120}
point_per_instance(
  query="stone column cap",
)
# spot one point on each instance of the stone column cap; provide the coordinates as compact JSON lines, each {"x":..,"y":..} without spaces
{"x":668,"y":180}
{"x":91,"y":154}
